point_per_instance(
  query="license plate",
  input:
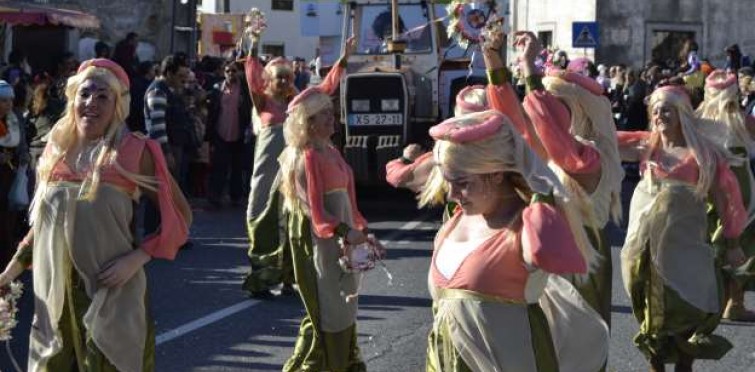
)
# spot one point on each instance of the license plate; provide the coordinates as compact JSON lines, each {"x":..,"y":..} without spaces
{"x":376,"y":119}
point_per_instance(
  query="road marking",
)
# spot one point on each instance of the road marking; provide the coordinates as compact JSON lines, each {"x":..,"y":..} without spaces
{"x":411,"y":225}
{"x":204,"y":321}
{"x":246,"y":304}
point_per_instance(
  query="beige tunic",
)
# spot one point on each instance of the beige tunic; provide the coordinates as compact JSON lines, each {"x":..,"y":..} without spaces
{"x":86,"y":236}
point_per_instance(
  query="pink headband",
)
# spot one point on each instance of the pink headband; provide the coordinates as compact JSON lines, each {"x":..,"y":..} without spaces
{"x":583,"y":81}
{"x":450,"y":131}
{"x":674,"y":89}
{"x":468,"y":106}
{"x":578,"y":65}
{"x":302,"y":96}
{"x":714,"y":82}
{"x":107,"y":64}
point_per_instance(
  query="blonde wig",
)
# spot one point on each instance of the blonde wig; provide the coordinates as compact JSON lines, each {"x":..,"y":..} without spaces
{"x":721,"y":106}
{"x":507,"y":152}
{"x":592,"y":120}
{"x":706,"y":152}
{"x":296,"y":130}
{"x":64,"y":136}
{"x":272,"y":69}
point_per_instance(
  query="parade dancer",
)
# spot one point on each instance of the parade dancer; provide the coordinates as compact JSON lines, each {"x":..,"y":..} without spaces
{"x":272,"y":89}
{"x":728,"y":123}
{"x":89,"y":282}
{"x":573,"y":122}
{"x":514,"y":225}
{"x":318,"y":188}
{"x":669,"y":267}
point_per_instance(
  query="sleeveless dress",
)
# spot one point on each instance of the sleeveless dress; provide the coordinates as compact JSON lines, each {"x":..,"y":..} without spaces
{"x":76,"y":322}
{"x":503,"y":310}
{"x":670,"y":269}
{"x":327,"y":339}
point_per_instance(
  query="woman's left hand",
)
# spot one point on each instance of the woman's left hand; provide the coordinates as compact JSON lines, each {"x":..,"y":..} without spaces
{"x":350,"y":47}
{"x":118,"y":271}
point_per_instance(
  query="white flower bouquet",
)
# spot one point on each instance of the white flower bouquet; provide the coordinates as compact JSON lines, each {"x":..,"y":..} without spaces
{"x":8,"y":309}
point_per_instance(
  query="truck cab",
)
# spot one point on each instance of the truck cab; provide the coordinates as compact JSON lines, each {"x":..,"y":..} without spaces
{"x":392,"y":95}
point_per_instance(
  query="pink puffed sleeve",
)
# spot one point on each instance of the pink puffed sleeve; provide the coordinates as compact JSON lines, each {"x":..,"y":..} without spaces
{"x":397,"y":173}
{"x":503,"y":98}
{"x":173,"y":231}
{"x":323,"y":224}
{"x":551,"y":120}
{"x":631,"y":139}
{"x":728,"y":200}
{"x":332,"y":80}
{"x":548,"y":240}
{"x":253,"y":70}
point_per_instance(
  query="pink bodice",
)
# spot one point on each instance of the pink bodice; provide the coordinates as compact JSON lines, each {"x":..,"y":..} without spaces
{"x":173,"y":230}
{"x":326,"y":171}
{"x":497,"y":267}
{"x":726,"y":193}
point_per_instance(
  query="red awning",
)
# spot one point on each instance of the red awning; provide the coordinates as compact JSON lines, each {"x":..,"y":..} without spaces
{"x":26,"y":14}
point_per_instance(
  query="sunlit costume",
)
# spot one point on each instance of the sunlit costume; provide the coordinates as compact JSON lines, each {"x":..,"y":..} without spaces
{"x":500,"y":308}
{"x":728,"y":124}
{"x":82,"y":220}
{"x":573,"y":123}
{"x":668,"y":265}
{"x":318,"y":186}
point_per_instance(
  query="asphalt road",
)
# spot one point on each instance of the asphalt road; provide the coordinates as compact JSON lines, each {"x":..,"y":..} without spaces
{"x":205,"y":322}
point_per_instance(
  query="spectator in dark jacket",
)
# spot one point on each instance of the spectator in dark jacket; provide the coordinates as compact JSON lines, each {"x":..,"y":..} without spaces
{"x":101,"y":50}
{"x":125,"y":53}
{"x":143,"y":77}
{"x":229,"y":118}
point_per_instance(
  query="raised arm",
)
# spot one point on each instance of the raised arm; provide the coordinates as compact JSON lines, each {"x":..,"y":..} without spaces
{"x":551,"y":119}
{"x":332,"y":80}
{"x":501,"y":94}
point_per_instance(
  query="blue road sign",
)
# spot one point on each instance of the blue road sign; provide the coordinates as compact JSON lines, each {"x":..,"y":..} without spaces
{"x":584,"y":35}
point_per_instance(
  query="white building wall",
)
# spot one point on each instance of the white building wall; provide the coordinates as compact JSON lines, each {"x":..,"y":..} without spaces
{"x":210,"y":6}
{"x":556,"y":16}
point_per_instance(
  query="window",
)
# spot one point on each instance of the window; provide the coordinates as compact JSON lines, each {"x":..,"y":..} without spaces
{"x":275,"y":50}
{"x":283,"y":5}
{"x":668,"y":44}
{"x":375,"y":27}
{"x":546,"y":38}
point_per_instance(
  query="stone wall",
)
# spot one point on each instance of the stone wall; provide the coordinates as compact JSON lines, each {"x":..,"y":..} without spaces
{"x":630,"y":28}
{"x":151,"y":19}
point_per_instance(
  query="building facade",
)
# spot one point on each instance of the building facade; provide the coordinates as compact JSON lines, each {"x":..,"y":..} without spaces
{"x":163,"y":26}
{"x":635,"y":32}
{"x":285,"y":32}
